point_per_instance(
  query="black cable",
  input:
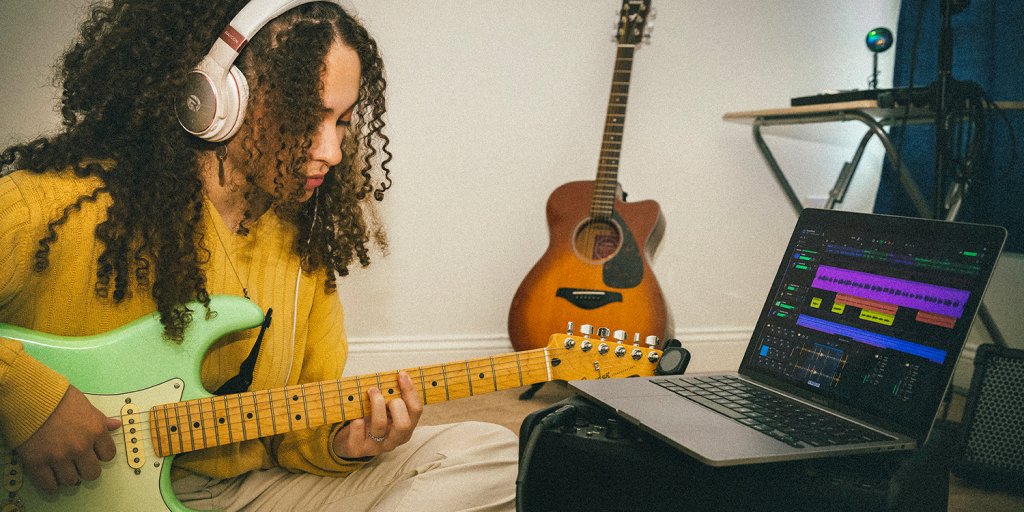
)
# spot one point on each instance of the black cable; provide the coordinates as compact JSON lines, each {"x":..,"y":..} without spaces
{"x":556,"y":419}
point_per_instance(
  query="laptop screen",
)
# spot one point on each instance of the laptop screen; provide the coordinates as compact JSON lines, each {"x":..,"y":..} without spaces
{"x":868,"y":313}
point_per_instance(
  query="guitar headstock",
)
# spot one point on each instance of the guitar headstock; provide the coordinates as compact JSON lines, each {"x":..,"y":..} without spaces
{"x":581,"y":357}
{"x":634,"y":17}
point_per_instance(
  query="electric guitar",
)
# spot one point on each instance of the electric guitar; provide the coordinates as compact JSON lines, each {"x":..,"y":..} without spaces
{"x":153,"y":387}
{"x":596,"y":265}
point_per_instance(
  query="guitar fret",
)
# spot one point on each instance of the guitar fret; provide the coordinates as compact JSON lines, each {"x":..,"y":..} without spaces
{"x":359,"y":394}
{"x":440,"y":395}
{"x":176,"y":427}
{"x":155,"y":431}
{"x":469,"y":378}
{"x":273,"y":416}
{"x":242,"y":417}
{"x":287,"y":406}
{"x":341,"y":399}
{"x":305,"y":407}
{"x":227,"y":419}
{"x":494,"y":375}
{"x":423,"y":387}
{"x":444,"y":375}
{"x":454,"y":386}
{"x":323,"y":406}
{"x":201,"y":424}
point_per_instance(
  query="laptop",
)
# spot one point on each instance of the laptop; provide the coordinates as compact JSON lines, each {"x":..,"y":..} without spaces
{"x":852,"y":352}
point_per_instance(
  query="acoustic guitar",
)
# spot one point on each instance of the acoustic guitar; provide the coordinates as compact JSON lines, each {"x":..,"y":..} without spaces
{"x":596,"y":265}
{"x":153,"y":387}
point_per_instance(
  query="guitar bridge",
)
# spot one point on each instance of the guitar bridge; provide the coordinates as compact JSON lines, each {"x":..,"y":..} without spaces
{"x":588,"y":299}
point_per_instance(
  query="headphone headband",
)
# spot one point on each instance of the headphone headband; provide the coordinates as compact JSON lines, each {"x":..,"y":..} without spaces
{"x":213,"y":104}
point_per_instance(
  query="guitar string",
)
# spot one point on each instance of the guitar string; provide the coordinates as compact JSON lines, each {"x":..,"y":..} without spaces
{"x":347,"y":385}
{"x":590,"y":232}
{"x":388,"y":378}
{"x":185,"y":427}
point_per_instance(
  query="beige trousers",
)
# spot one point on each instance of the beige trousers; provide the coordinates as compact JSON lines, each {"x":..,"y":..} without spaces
{"x":443,"y":468}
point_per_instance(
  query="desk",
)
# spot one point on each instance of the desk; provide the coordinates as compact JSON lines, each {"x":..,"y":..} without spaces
{"x":876,"y":118}
{"x":867,"y":112}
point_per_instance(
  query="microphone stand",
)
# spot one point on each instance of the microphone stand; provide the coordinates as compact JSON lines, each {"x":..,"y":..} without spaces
{"x":941,"y":104}
{"x":945,"y":116}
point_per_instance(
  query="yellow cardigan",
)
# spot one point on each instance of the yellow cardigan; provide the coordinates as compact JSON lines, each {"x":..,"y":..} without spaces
{"x":61,"y":300}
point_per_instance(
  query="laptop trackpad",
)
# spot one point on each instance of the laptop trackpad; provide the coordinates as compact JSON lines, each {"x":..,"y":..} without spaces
{"x":699,"y":432}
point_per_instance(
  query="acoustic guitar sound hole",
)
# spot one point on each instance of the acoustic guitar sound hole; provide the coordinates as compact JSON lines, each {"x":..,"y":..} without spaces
{"x":597,"y":240}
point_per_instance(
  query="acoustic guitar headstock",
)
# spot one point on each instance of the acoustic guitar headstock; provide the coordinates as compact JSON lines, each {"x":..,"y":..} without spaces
{"x":635,"y":22}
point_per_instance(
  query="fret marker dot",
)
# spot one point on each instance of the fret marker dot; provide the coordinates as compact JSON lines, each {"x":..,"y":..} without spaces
{"x":295,"y":398}
{"x":195,"y":425}
{"x":350,"y":398}
{"x":391,"y":391}
{"x":248,"y":415}
{"x":433,"y":383}
{"x":174,"y":429}
{"x":221,"y":421}
{"x":481,"y":375}
{"x":298,"y":417}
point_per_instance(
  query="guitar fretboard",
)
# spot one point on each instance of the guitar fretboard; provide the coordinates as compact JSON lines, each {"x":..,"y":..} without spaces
{"x":203,"y":423}
{"x":606,"y":187}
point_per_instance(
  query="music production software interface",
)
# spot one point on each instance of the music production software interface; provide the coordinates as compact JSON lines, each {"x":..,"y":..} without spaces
{"x":871,"y":321}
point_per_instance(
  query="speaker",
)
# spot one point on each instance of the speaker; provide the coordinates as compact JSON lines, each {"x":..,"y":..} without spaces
{"x":992,"y":440}
{"x":577,"y":457}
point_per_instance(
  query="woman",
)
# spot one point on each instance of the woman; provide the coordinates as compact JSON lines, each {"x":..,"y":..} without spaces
{"x":124,"y":212}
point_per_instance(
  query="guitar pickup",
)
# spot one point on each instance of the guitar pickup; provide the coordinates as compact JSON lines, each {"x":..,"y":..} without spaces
{"x":588,"y":299}
{"x":132,"y":436}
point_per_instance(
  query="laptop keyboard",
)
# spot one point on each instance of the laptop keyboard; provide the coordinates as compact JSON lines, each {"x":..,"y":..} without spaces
{"x":786,"y":420}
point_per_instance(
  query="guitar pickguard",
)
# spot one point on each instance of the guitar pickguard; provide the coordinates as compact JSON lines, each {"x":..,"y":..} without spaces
{"x":626,"y":268}
{"x":120,"y":488}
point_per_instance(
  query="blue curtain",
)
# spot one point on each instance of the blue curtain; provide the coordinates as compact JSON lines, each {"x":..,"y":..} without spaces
{"x":988,"y":48}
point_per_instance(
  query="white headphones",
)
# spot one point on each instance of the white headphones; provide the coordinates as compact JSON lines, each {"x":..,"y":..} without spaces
{"x":213,"y":104}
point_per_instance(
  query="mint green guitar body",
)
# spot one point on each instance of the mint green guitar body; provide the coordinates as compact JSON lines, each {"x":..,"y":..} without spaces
{"x":124,"y":373}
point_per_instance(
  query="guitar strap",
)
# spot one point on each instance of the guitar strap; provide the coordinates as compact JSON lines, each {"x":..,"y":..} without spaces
{"x":240,"y":383}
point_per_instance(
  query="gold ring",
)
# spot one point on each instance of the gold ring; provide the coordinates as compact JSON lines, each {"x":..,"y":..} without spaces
{"x":374,"y":438}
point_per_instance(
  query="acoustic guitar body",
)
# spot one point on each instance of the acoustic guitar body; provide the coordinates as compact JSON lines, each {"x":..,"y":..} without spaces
{"x":596,"y":271}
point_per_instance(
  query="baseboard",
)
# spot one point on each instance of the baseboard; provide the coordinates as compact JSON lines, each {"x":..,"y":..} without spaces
{"x":717,"y":349}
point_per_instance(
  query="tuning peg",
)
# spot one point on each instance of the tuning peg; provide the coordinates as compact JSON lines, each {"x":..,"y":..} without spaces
{"x":649,"y":26}
{"x":586,"y":330}
{"x":619,"y":335}
{"x":651,"y":341}
{"x":636,"y":338}
{"x":568,"y":329}
{"x":603,"y":333}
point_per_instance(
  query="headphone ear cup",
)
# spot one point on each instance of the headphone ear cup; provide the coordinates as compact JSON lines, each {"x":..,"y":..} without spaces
{"x":233,"y":118}
{"x":235,"y":96}
{"x":197,"y":107}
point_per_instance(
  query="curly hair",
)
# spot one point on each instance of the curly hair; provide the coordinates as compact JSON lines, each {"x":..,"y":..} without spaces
{"x":120,"y":83}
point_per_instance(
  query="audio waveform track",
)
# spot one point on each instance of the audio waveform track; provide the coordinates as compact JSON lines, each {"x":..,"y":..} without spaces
{"x":939,"y":300}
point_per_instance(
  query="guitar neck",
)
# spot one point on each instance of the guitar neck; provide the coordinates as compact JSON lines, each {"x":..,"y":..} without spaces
{"x":606,"y":188}
{"x":181,"y":427}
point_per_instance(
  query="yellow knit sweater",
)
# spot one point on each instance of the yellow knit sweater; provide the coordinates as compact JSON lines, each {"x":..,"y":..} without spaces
{"x":61,"y":300}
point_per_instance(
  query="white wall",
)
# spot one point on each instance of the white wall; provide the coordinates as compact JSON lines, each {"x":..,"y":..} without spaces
{"x":494,"y":104}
